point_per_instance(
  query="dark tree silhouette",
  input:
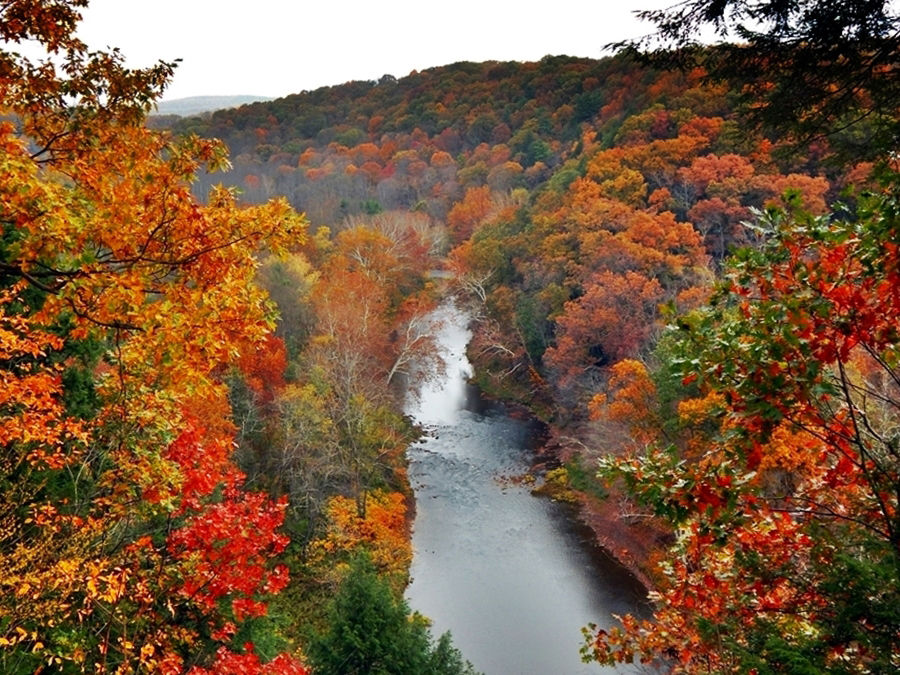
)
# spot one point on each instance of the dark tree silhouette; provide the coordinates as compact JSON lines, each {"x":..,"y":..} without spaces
{"x":818,"y":68}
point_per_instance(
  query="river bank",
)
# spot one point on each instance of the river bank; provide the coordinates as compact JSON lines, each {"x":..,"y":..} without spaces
{"x":616,"y":531}
{"x":629,"y":537}
{"x":512,"y":576}
{"x":624,"y":534}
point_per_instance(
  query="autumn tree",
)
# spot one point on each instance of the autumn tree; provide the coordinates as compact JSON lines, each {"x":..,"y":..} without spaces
{"x":381,"y":533}
{"x":787,"y":548}
{"x":288,"y":280}
{"x":303,"y":455}
{"x":612,"y":320}
{"x":124,"y":541}
{"x":467,"y":214}
{"x":631,"y":402}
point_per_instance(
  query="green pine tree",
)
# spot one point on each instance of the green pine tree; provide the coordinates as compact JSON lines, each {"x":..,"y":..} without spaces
{"x":372,"y":632}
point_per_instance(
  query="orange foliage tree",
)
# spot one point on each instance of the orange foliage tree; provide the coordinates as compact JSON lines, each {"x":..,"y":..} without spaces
{"x":124,"y":533}
{"x":382,"y":532}
{"x":786,"y":514}
{"x":466,"y":215}
{"x":609,"y":322}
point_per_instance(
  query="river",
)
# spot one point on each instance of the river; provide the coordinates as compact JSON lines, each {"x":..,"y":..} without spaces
{"x":506,"y":572}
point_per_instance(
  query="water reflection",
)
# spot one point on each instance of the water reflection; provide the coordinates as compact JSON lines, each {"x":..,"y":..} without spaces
{"x":506,"y":572}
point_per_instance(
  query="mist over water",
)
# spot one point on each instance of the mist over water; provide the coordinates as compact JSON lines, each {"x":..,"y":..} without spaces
{"x":504,"y":571}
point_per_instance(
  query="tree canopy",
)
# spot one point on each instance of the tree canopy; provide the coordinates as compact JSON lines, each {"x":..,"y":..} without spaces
{"x":127,"y":539}
{"x":818,"y":68}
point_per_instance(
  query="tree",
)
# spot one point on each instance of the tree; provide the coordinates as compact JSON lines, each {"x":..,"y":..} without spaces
{"x":371,"y":631}
{"x":303,"y":455}
{"x":788,"y":537}
{"x":611,"y":321}
{"x":632,"y":403}
{"x":414,"y":343}
{"x":122,"y":300}
{"x":818,"y":67}
{"x":466,"y":215}
{"x":288,"y":281}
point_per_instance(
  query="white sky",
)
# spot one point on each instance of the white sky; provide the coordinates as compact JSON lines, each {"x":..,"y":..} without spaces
{"x":274,"y":48}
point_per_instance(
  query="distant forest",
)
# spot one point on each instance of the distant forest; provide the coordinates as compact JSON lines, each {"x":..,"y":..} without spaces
{"x":419,"y":143}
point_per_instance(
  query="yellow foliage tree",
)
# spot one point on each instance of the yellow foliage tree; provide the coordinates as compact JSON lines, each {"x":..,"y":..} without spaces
{"x":121,"y":297}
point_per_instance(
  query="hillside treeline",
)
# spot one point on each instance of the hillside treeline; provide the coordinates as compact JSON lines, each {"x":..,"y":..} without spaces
{"x":421,"y":141}
{"x":202,"y":464}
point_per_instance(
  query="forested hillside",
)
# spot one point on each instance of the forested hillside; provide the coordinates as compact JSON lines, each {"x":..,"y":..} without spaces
{"x":421,"y":142}
{"x":577,"y":197}
{"x":203,"y":451}
{"x":205,"y":348}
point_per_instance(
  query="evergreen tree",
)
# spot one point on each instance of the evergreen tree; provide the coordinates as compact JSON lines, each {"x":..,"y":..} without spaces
{"x":370,"y":631}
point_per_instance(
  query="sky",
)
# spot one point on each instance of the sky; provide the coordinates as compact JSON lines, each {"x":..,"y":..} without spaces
{"x":274,"y":48}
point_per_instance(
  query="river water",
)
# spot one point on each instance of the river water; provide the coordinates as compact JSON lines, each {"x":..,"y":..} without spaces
{"x":506,"y":572}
